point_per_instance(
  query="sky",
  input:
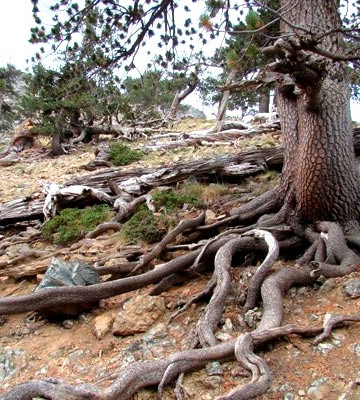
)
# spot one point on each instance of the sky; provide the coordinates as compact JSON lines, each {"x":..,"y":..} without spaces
{"x":15,"y":23}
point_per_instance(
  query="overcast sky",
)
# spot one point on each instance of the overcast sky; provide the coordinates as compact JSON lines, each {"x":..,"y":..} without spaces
{"x":15,"y":23}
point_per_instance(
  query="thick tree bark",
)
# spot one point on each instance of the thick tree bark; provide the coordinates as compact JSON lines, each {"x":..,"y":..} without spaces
{"x":315,"y":117}
{"x":56,"y":147}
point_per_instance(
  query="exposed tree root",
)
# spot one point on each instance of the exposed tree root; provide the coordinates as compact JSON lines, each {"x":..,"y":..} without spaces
{"x":102,"y":228}
{"x":261,"y":375}
{"x":178,"y":278}
{"x":205,"y":292}
{"x":143,"y":374}
{"x":253,"y":291}
{"x":260,"y":205}
{"x":349,"y":389}
{"x":72,"y":295}
{"x":328,"y":255}
{"x":158,"y":249}
{"x":211,"y":318}
{"x":22,"y":257}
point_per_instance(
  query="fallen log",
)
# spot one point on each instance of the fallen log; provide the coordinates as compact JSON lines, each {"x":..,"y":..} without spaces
{"x":222,"y":166}
{"x":137,"y":180}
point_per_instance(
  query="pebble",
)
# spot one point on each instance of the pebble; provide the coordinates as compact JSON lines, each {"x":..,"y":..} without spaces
{"x":303,"y":291}
{"x":324,"y":347}
{"x":337,"y":339}
{"x":319,"y":389}
{"x":285,"y":387}
{"x":252,"y":317}
{"x":68,"y":323}
{"x":223,"y":336}
{"x":102,"y":325}
{"x":228,"y":326}
{"x":356,"y":349}
{"x":289,"y":396}
{"x":352,"y":288}
{"x":210,"y":217}
{"x":84,"y":317}
{"x":214,"y":368}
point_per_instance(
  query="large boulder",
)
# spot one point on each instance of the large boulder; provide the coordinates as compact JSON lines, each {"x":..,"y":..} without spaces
{"x":68,"y":273}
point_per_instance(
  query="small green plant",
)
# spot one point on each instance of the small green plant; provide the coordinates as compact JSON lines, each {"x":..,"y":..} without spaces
{"x":120,"y":154}
{"x":174,"y":199}
{"x":73,"y":223}
{"x":144,"y":226}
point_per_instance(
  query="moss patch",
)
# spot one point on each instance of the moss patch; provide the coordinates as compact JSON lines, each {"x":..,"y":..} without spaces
{"x":73,"y":223}
{"x":120,"y":154}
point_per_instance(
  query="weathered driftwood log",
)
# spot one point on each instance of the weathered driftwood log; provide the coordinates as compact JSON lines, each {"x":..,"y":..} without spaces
{"x":127,"y":132}
{"x":57,"y":195}
{"x":221,"y":166}
{"x":138,"y":181}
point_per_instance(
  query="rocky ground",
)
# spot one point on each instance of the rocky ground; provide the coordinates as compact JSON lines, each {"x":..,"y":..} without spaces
{"x":135,"y":326}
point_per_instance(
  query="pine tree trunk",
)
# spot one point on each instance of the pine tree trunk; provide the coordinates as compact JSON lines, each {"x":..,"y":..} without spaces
{"x":264,"y":101}
{"x":56,"y":147}
{"x":221,"y":114}
{"x":179,"y":97}
{"x":320,"y":164}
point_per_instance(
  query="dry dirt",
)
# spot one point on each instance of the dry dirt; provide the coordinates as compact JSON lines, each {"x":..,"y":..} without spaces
{"x":71,"y":352}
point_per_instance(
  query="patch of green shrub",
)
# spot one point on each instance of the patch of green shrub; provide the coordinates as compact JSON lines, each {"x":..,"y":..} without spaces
{"x":120,"y":154}
{"x":144,"y":226}
{"x":174,"y":199}
{"x":73,"y":223}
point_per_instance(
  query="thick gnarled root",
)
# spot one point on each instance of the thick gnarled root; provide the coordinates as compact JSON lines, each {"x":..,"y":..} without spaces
{"x":149,"y":373}
{"x":328,"y":256}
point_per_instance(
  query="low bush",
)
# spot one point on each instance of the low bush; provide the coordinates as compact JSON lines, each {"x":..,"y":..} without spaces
{"x":73,"y":223}
{"x":144,"y":226}
{"x":120,"y":154}
{"x":174,"y":199}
